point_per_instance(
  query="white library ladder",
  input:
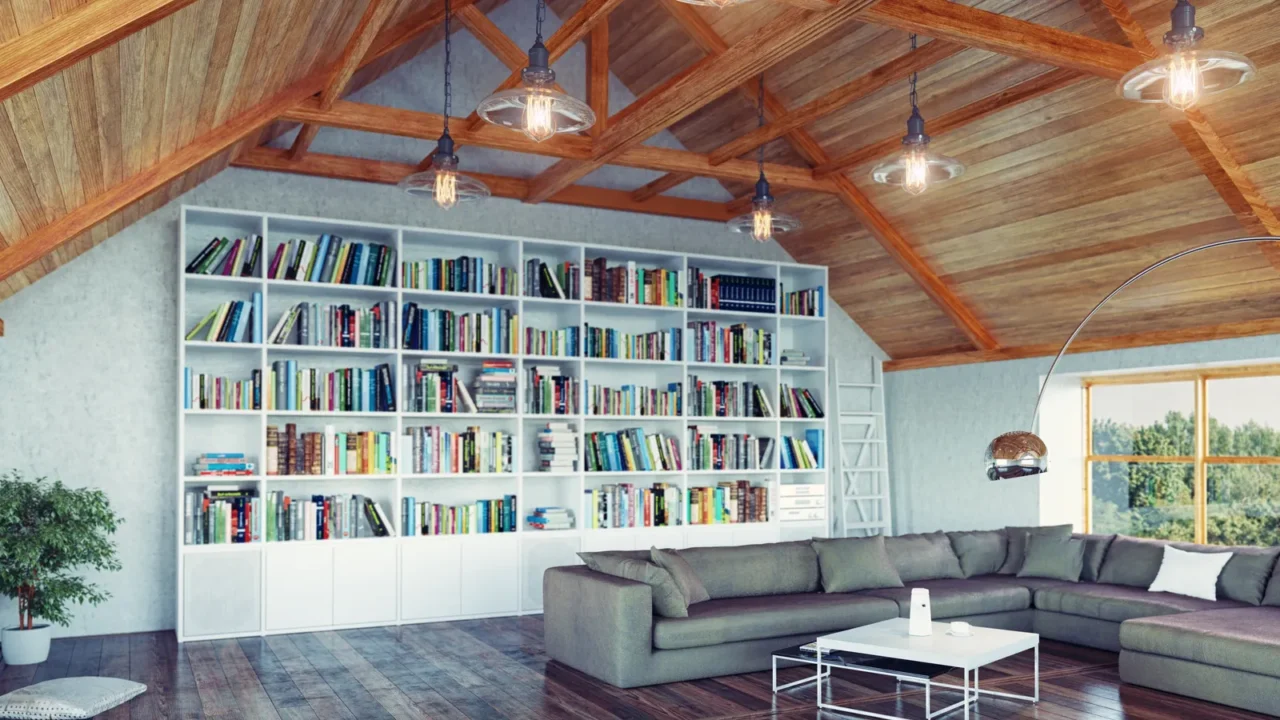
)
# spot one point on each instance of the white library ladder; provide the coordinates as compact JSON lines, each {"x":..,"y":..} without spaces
{"x":864,"y":456}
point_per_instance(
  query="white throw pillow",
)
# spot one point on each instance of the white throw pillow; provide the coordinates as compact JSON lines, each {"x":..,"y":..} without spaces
{"x":68,"y":698}
{"x":1193,"y":574}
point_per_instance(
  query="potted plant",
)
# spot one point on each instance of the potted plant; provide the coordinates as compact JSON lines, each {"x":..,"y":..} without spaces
{"x":47,"y":532}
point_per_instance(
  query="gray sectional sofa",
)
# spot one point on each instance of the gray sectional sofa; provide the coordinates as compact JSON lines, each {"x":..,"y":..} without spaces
{"x":766,"y":597}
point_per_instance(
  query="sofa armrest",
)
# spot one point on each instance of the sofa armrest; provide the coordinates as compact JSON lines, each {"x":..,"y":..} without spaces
{"x":597,"y":623}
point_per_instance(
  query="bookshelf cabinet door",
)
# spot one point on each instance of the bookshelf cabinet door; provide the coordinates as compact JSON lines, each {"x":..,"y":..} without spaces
{"x":299,"y":585}
{"x":539,"y":554}
{"x":717,"y":536}
{"x":431,"y":578}
{"x":489,"y":565}
{"x":208,"y":607}
{"x":748,"y":535}
{"x":364,"y":583}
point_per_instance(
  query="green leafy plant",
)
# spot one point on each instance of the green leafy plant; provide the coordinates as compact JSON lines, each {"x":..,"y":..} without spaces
{"x":48,"y":531}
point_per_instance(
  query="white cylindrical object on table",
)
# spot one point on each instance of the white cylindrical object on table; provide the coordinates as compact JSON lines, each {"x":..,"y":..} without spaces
{"x":921,"y":618}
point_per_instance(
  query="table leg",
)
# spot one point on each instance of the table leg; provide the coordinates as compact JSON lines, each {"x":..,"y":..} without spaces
{"x":927,"y":688}
{"x":818,"y":680}
{"x":775,"y":674}
{"x":966,"y":695}
{"x":1037,"y":694}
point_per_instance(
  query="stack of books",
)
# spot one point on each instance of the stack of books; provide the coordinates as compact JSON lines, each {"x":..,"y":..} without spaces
{"x":491,"y":331}
{"x":710,"y":449}
{"x":220,"y":514}
{"x":226,"y":463}
{"x":636,"y":400}
{"x":238,"y":258}
{"x":610,"y":343}
{"x":209,"y":392}
{"x":232,"y":321}
{"x":727,"y":398}
{"x":495,"y":389}
{"x":631,"y":450}
{"x":482,"y":516}
{"x":560,"y":343}
{"x":624,"y":505}
{"x":550,"y":518}
{"x":330,"y":259}
{"x":434,"y":386}
{"x":558,"y":448}
{"x":734,"y":345}
{"x":437,"y":451}
{"x":797,"y":358}
{"x":548,"y":391}
{"x":804,"y":302}
{"x":328,"y":325}
{"x":464,"y":274}
{"x":803,"y":453}
{"x":329,"y":452}
{"x":728,"y":502}
{"x":799,"y":403}
{"x":558,"y":281}
{"x":343,"y":390}
{"x":732,"y":292}
{"x":632,"y":285}
{"x":324,"y":517}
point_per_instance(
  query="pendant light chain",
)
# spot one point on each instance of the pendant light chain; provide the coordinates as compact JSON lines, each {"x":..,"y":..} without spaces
{"x":760,"y":123}
{"x":914,"y":75}
{"x":448,"y":62}
{"x":542,"y":15}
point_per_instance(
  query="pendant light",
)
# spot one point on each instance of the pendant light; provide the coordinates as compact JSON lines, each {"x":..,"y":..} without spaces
{"x":1187,"y":74}
{"x":915,"y":168}
{"x":536,"y":108}
{"x":763,"y":222}
{"x":441,"y":181}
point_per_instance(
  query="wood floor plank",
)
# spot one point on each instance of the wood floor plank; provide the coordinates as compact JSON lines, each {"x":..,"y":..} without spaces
{"x":115,"y":663}
{"x":211,"y":682}
{"x":285,"y":696}
{"x":323,"y":701}
{"x":362,"y":705}
{"x":245,"y":684}
{"x":385,"y":692}
{"x":86,"y":657}
{"x":60,"y":651}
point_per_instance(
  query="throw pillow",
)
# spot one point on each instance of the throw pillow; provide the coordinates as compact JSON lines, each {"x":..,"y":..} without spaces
{"x":849,"y":564}
{"x":1132,"y":561}
{"x":667,"y":600}
{"x":1049,"y":556}
{"x":682,"y":572}
{"x":1244,"y":579}
{"x":1018,"y":544}
{"x":68,"y":698}
{"x":926,"y":556}
{"x":1095,"y":549}
{"x":1190,"y":573}
{"x":981,"y":552}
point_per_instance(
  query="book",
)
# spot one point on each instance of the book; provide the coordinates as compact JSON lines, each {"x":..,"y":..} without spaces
{"x":465,"y":274}
{"x":228,"y":322}
{"x":341,"y":390}
{"x":331,"y":451}
{"x":798,"y":402}
{"x":633,"y":285}
{"x":665,"y":345}
{"x":227,"y":257}
{"x":332,"y":325}
{"x":739,"y":293}
{"x":558,"y":448}
{"x":488,"y":331}
{"x":637,"y":400}
{"x":626,"y":505}
{"x":550,"y":518}
{"x":549,"y":391}
{"x":434,"y":450}
{"x":483,"y":516}
{"x":332,"y":259}
{"x":631,"y":450}
{"x":558,"y":281}
{"x":728,"y":398}
{"x":562,"y":342}
{"x":203,"y":391}
{"x":809,"y":302}
{"x":736,"y":344}
{"x":710,"y":449}
{"x":217,"y":515}
{"x":730,"y":501}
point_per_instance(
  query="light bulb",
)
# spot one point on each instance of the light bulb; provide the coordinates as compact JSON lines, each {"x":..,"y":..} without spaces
{"x":915,"y":170}
{"x":446,"y":193}
{"x":539,"y":123}
{"x":762,"y":224}
{"x":1183,"y":81}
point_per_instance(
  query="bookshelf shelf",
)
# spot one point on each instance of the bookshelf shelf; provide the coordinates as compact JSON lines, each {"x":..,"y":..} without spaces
{"x":514,"y":561}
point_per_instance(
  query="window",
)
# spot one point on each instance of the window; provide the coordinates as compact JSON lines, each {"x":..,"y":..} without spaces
{"x":1188,"y":455}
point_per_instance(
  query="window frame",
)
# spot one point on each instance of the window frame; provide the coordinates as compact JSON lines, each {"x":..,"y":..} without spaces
{"x":1201,"y":460}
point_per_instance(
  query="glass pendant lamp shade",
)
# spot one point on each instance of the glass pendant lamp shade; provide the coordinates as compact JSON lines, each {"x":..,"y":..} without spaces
{"x":442,"y":182}
{"x":915,"y":169}
{"x":1187,"y":74}
{"x":764,"y":221}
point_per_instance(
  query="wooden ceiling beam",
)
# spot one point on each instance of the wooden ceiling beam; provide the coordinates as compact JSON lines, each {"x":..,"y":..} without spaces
{"x":389,"y":173}
{"x":598,"y":77}
{"x":850,"y":92}
{"x":31,"y":57}
{"x":661,"y":185}
{"x":375,"y":14}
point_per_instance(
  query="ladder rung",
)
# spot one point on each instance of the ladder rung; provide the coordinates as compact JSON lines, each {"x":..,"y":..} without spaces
{"x":862,"y":441}
{"x":866,"y":525}
{"x":867,"y":468}
{"x":858,"y":385}
{"x":864,"y":497}
{"x":861,"y":413}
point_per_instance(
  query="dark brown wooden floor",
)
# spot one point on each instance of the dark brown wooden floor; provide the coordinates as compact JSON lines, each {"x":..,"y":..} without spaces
{"x":496,"y":670}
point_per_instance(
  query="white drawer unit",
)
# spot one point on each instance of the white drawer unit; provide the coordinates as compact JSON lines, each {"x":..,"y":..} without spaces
{"x":364,"y":583}
{"x":489,"y":574}
{"x":208,"y":609}
{"x":299,"y":585}
{"x":430,"y":578}
{"x":538,"y":554}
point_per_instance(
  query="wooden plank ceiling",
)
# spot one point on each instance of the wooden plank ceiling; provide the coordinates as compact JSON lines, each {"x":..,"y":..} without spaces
{"x":112,"y":107}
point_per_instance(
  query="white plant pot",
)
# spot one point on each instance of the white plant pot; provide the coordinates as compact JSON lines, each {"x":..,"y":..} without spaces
{"x":26,"y":647}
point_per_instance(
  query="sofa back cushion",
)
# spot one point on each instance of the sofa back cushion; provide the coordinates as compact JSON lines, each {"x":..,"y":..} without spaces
{"x":667,"y":600}
{"x":1053,"y":558}
{"x":1272,"y":598}
{"x":925,"y":556}
{"x":855,"y":563}
{"x":1018,"y":544}
{"x":981,"y":552}
{"x":752,"y":570}
{"x":1136,"y":562}
{"x":1132,"y":561}
{"x":1095,"y":549}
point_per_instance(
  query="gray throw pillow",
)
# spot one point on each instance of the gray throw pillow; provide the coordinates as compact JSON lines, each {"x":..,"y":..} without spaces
{"x":1049,"y":556}
{"x":850,"y":564}
{"x":1132,"y":561}
{"x":682,"y":572}
{"x":1095,"y":549}
{"x":1018,"y":544}
{"x":1272,"y":598}
{"x":1244,"y":579}
{"x":667,"y":600}
{"x":981,"y":552}
{"x":926,"y":556}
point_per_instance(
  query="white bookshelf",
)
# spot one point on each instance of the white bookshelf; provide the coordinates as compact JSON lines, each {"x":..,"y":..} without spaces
{"x":235,"y":590}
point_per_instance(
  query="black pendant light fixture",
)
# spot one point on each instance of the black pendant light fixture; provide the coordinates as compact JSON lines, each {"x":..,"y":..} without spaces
{"x":915,"y":168}
{"x":763,"y":222}
{"x":1187,"y":74}
{"x":442,"y":181}
{"x":536,"y":108}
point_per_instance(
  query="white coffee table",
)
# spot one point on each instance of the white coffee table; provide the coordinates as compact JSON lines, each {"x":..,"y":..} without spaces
{"x":889,"y":639}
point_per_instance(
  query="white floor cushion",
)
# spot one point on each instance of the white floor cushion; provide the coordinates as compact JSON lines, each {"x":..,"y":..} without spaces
{"x":1192,"y":574}
{"x":68,"y":698}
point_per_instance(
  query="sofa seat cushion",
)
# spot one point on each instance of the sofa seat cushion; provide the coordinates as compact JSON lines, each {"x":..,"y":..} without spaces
{"x":956,"y":598}
{"x":1030,"y":583}
{"x":1118,"y":603}
{"x":1246,"y":639}
{"x":715,"y":622}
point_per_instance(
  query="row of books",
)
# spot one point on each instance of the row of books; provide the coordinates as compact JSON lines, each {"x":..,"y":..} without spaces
{"x":434,"y":385}
{"x":728,"y":398}
{"x":805,"y":453}
{"x":610,"y":343}
{"x":625,"y":505}
{"x":710,"y":449}
{"x":557,"y":448}
{"x":464,"y":274}
{"x":560,"y":343}
{"x":739,"y":293}
{"x":204,"y":391}
{"x":637,"y":400}
{"x":367,"y":452}
{"x":222,"y":463}
{"x":799,"y":403}
{"x":810,"y":302}
{"x":736,"y":344}
{"x":438,"y":451}
{"x":329,"y":325}
{"x":324,"y":517}
{"x":221,"y":514}
{"x":631,"y":450}
{"x":496,"y":387}
{"x":228,"y":258}
{"x":490,"y":331}
{"x":550,"y":518}
{"x":482,"y":516}
{"x":548,"y":391}
{"x":290,"y":387}
{"x":632,"y":285}
{"x":231,"y":321}
{"x":733,"y":501}
{"x":331,"y":259}
{"x":558,"y":281}
{"x":795,"y":358}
